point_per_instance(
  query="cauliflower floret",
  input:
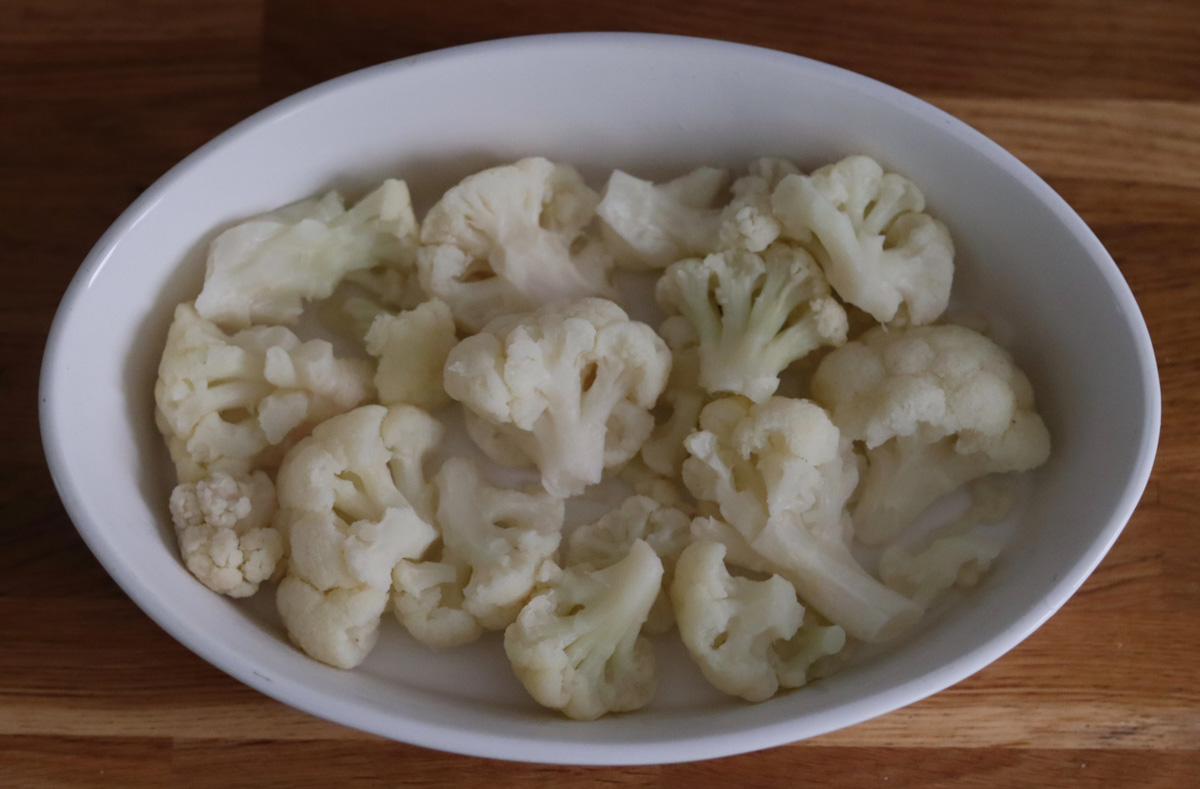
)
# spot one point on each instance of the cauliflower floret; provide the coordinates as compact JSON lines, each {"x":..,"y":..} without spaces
{"x":736,"y":628}
{"x":868,"y":232}
{"x":233,"y":403}
{"x":781,"y":474}
{"x":748,"y":221}
{"x":572,"y":384}
{"x":352,"y":498}
{"x":935,"y":407}
{"x":576,"y":645}
{"x":652,"y":225}
{"x":678,"y":408}
{"x":956,"y":560}
{"x":262,"y":270}
{"x":667,"y":491}
{"x":605,"y":542}
{"x":503,"y":536}
{"x":412,"y":348}
{"x":511,"y":239}
{"x":428,"y":600}
{"x":754,"y":314}
{"x":225,"y":537}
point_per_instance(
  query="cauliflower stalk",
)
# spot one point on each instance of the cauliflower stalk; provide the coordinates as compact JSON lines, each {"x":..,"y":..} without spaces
{"x":576,"y":646}
{"x":229,"y":404}
{"x":511,"y":239}
{"x":754,"y":314}
{"x":224,"y":532}
{"x":780,"y":473}
{"x":868,"y":231}
{"x":354,"y":504}
{"x":264,"y":269}
{"x":935,"y":407}
{"x":572,"y":385}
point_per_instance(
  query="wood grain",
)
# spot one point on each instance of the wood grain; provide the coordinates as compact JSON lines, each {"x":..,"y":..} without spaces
{"x":98,"y":98}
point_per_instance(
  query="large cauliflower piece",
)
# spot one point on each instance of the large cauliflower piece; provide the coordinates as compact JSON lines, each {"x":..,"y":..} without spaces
{"x":935,"y":407}
{"x":780,"y":474}
{"x":743,"y":633}
{"x":868,"y":231}
{"x":264,"y":269}
{"x":354,"y":504}
{"x":510,"y":239}
{"x":576,"y":646}
{"x":224,"y":531}
{"x":230,"y":404}
{"x":754,"y":314}
{"x":653,"y":225}
{"x":571,"y":385}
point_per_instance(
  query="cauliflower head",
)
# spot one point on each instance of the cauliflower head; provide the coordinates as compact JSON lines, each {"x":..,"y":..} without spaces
{"x":351,"y":499}
{"x":748,"y":221}
{"x":502,"y":536}
{"x":754,"y":314}
{"x":229,"y":404}
{"x":511,"y":239}
{"x":742,"y":633}
{"x":935,"y":407}
{"x":576,"y":646}
{"x":264,"y":269}
{"x":606,"y":541}
{"x":412,"y":348}
{"x":868,"y":231}
{"x":780,"y":474}
{"x":224,"y":531}
{"x":428,"y":598}
{"x":572,"y":385}
{"x":653,"y":225}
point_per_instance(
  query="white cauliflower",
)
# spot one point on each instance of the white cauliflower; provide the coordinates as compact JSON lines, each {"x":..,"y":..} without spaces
{"x":935,"y":407}
{"x":264,"y":269}
{"x":606,"y":541}
{"x":224,"y":532}
{"x":736,"y":628}
{"x":781,"y":474}
{"x":678,"y":408}
{"x":955,"y":560}
{"x":412,"y":348}
{"x":428,"y":599}
{"x":511,"y":239}
{"x":667,"y":491}
{"x":572,"y":384}
{"x":230,"y":404}
{"x":868,"y":231}
{"x":754,"y":314}
{"x":576,"y":646}
{"x":748,"y":222}
{"x":502,"y":536}
{"x":652,"y":225}
{"x":354,"y":504}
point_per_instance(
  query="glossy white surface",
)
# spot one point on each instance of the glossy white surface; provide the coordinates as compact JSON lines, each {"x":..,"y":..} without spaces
{"x":654,"y":106}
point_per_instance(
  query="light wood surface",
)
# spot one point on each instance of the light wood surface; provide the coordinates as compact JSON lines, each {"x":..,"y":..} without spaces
{"x":98,"y":98}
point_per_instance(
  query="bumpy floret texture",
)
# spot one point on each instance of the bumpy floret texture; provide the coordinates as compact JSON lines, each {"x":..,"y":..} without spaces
{"x":511,"y":239}
{"x":264,"y":269}
{"x":869,"y":232}
{"x":572,"y":385}
{"x":935,"y":407}
{"x":748,"y":221}
{"x":233,"y":403}
{"x":753,"y":314}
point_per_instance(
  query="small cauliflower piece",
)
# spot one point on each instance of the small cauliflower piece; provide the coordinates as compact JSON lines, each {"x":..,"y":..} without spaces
{"x":748,"y":222}
{"x":230,"y":404}
{"x":781,"y":474}
{"x":667,"y":491}
{"x":576,"y":646}
{"x":652,"y":225}
{"x":572,"y":385}
{"x":606,"y":541}
{"x":678,"y":408}
{"x":224,"y":532}
{"x":352,"y":498}
{"x":428,"y":599}
{"x":935,"y":407}
{"x":264,"y":269}
{"x":502,"y":536}
{"x":412,"y":348}
{"x":957,"y":560}
{"x":754,"y":314}
{"x":511,"y":239}
{"x":868,"y":231}
{"x":735,"y":628}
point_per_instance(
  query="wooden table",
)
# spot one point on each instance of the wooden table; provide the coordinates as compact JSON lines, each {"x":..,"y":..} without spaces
{"x":99,"y":97}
